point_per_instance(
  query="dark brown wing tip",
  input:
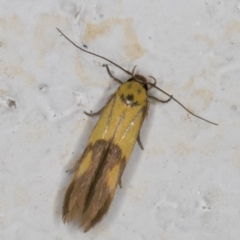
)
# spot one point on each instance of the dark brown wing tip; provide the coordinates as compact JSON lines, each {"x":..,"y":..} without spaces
{"x":86,"y":229}
{"x":65,"y":219}
{"x":92,"y":222}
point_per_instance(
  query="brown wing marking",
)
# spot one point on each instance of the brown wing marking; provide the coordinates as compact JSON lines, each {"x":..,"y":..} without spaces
{"x":78,"y":189}
{"x":103,"y":191}
{"x":90,"y":194}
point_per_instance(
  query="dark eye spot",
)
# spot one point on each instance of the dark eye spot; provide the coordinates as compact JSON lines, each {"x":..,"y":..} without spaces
{"x":135,"y":104}
{"x":139,"y":91}
{"x":129,"y":86}
{"x":129,"y":98}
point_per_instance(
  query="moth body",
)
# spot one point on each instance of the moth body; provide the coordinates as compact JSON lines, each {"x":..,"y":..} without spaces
{"x":108,"y":150}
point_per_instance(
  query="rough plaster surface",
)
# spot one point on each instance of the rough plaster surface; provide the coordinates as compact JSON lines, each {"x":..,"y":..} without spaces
{"x":186,"y":182}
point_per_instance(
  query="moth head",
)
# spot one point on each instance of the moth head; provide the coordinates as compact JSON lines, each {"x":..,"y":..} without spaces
{"x":132,"y":93}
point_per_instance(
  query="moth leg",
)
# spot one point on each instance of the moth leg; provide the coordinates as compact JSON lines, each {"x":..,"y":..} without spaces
{"x":120,"y":183}
{"x":144,"y":115}
{"x":100,"y":111}
{"x":139,"y":142}
{"x":73,"y":167}
{"x":94,"y":114}
{"x":110,"y":74}
{"x":162,"y":101}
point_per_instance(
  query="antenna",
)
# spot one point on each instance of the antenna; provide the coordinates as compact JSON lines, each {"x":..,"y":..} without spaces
{"x":129,"y":73}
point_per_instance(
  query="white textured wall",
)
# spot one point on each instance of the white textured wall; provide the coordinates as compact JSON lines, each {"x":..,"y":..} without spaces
{"x":186,"y":183}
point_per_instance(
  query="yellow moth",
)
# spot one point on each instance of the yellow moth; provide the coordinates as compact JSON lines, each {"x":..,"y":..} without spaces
{"x":98,"y":171}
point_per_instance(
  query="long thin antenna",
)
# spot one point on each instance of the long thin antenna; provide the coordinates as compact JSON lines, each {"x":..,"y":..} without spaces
{"x":129,"y":73}
{"x":184,"y":106}
{"x":94,"y":54}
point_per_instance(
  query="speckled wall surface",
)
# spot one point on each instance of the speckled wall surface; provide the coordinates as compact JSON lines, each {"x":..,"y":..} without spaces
{"x":186,"y":182}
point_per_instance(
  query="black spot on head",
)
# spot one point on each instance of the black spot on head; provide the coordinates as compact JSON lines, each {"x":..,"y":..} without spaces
{"x":129,"y":86}
{"x":135,"y":104}
{"x":122,"y":97}
{"x":129,"y":98}
{"x":139,"y":91}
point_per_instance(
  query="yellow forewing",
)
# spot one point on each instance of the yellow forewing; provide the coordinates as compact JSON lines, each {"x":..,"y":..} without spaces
{"x":109,"y":147}
{"x":121,"y":123}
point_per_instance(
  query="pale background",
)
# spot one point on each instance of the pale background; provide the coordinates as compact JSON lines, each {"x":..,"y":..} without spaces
{"x":186,"y":183}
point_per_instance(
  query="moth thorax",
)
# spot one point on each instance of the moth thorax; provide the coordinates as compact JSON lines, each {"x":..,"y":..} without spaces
{"x":132,"y":93}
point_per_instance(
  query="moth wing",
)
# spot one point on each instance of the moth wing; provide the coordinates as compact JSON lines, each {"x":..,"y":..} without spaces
{"x":78,"y":190}
{"x":92,"y":189}
{"x":90,"y":193}
{"x":102,"y":191}
{"x":110,"y":170}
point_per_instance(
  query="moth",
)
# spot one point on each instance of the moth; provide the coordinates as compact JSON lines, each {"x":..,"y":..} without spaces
{"x":98,"y":171}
